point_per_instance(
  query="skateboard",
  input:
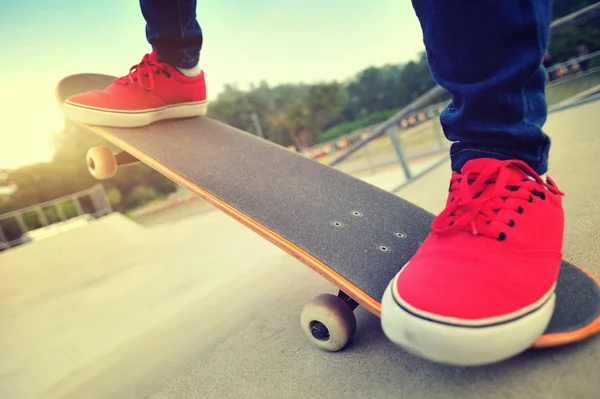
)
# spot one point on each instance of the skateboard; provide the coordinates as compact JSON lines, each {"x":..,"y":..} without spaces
{"x":354,"y":234}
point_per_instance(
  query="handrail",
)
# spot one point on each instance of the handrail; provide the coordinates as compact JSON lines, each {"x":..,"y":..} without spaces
{"x":576,"y":18}
{"x":50,"y":202}
{"x":383,"y":127}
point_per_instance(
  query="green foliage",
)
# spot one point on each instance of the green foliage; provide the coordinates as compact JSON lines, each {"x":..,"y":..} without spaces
{"x":114,"y":196}
{"x":349,"y":127}
{"x":287,"y":114}
{"x":299,"y":115}
{"x":141,"y":194}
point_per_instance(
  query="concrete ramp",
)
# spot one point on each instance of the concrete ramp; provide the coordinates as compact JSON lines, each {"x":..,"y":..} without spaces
{"x":69,"y":303}
{"x":39,"y":268}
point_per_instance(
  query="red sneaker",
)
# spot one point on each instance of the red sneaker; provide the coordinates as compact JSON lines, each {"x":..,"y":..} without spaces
{"x":480,"y":289}
{"x":152,"y":91}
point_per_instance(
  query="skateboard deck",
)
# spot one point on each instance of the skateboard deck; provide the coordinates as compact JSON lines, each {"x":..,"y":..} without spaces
{"x":354,"y":234}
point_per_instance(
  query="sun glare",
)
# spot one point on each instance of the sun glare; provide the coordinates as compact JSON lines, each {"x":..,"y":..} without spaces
{"x":25,"y":150}
{"x":27,"y":129}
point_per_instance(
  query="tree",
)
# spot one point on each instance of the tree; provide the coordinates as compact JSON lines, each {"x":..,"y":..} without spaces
{"x":325,"y":102}
{"x":563,"y":44}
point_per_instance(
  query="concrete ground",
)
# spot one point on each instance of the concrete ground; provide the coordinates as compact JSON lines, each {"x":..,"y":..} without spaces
{"x":204,"y":308}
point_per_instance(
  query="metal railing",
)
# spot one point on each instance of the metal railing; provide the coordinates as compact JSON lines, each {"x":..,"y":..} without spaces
{"x":576,"y":18}
{"x":560,"y":70}
{"x":97,"y":197}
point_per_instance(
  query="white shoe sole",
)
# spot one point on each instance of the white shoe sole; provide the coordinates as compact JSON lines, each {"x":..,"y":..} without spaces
{"x":111,"y":118}
{"x":459,"y":345}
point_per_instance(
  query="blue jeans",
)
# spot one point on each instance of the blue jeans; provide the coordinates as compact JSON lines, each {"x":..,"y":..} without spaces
{"x":486,"y":53}
{"x":173,"y":31}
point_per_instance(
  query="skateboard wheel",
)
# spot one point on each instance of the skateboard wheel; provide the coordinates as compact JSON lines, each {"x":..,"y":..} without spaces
{"x":328,"y":322}
{"x":101,"y":162}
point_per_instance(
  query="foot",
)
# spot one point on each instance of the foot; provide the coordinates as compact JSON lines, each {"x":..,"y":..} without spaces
{"x":480,"y":289}
{"x":152,"y":91}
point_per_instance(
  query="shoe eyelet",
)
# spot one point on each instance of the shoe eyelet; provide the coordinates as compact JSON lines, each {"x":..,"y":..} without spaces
{"x":502,"y":236}
{"x":511,"y":223}
{"x":520,"y":210}
{"x":539,"y":194}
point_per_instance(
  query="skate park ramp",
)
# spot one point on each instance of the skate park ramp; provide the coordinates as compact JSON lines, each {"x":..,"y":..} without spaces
{"x":204,"y":308}
{"x":69,"y":302}
{"x":68,"y":254}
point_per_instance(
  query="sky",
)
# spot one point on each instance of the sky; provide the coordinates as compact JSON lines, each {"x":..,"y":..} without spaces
{"x":245,"y":42}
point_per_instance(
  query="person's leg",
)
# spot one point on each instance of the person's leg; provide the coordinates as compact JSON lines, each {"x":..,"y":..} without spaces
{"x":488,"y":55}
{"x":168,"y":83}
{"x":173,"y":31}
{"x":481,"y":287}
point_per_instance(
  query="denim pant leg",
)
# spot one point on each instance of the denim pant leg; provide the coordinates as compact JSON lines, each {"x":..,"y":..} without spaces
{"x":488,"y":55}
{"x":173,"y":31}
